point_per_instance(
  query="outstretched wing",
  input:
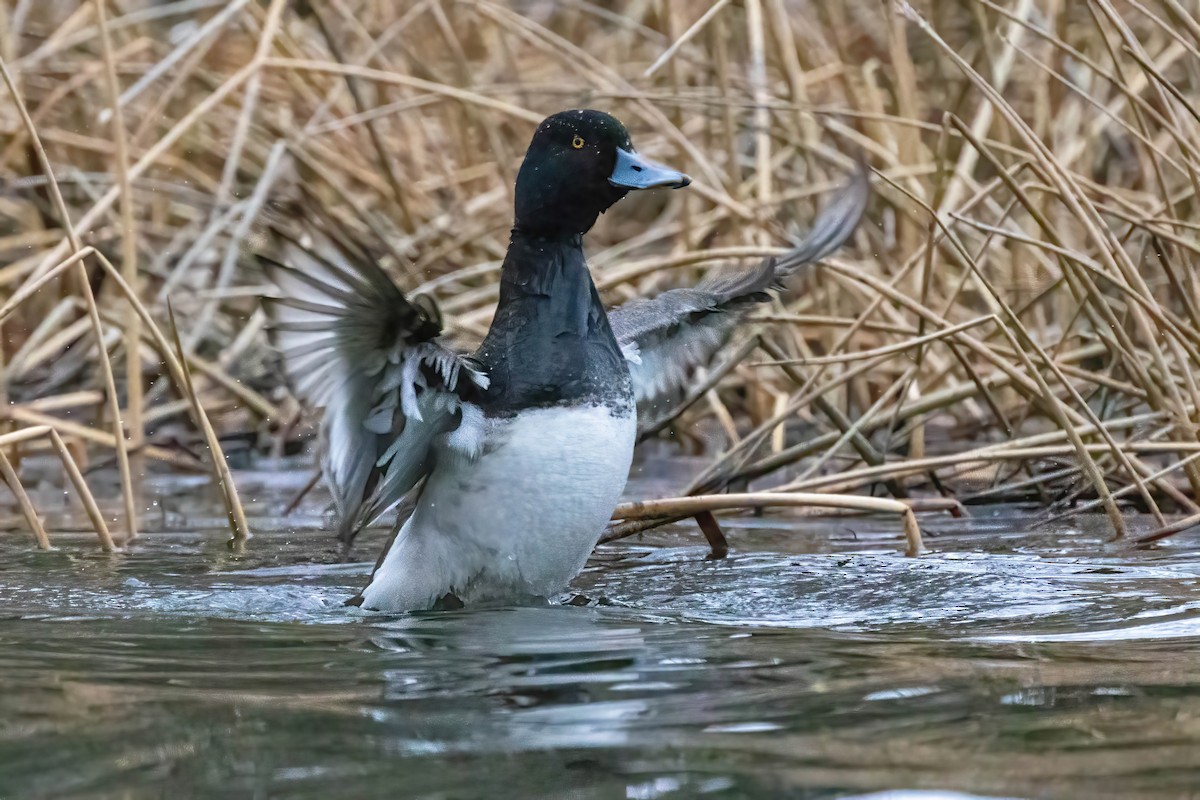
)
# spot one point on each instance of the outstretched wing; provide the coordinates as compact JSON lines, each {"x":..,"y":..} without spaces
{"x":353,"y":344}
{"x":667,"y":338}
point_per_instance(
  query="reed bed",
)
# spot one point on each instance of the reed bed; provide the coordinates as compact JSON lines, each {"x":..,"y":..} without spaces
{"x":1017,"y":320}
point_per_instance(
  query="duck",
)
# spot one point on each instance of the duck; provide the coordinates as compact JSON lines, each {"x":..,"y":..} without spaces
{"x":512,"y":457}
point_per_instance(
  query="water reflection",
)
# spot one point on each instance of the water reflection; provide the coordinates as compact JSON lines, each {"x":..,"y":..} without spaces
{"x":814,"y":663}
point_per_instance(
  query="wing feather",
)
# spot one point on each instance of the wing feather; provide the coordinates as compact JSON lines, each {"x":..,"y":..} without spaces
{"x":354,"y":345}
{"x":667,"y":338}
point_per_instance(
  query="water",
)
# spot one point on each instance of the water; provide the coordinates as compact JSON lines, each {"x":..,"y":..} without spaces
{"x":815,"y":662}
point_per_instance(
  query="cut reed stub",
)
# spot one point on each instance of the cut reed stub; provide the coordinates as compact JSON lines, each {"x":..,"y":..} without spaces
{"x":718,"y":545}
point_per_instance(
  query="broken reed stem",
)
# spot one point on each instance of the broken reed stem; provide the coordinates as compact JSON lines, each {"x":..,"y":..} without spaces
{"x":691,"y":506}
{"x":717,"y":544}
{"x":24,"y":434}
{"x":74,"y":476}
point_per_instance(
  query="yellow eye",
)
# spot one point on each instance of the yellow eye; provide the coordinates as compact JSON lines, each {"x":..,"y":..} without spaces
{"x":578,"y":143}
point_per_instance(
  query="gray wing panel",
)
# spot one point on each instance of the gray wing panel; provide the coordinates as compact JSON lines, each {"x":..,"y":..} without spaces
{"x":669,"y":337}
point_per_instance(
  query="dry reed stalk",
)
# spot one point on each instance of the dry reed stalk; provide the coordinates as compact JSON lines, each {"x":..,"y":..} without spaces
{"x":696,"y":504}
{"x":114,"y":408}
{"x":389,"y":167}
{"x":347,"y":70}
{"x":1090,"y":468}
{"x":102,"y":205}
{"x":868,"y":475}
{"x":26,"y":414}
{"x":129,"y":262}
{"x":1114,"y":256}
{"x":85,"y":494}
{"x":26,"y":505}
{"x":1126,"y":490}
{"x":684,"y":38}
{"x":249,"y":100}
{"x":14,"y":483}
{"x":236,"y":515}
{"x":1055,"y":197}
{"x":183,"y":382}
{"x":923,"y":406}
{"x":30,"y":289}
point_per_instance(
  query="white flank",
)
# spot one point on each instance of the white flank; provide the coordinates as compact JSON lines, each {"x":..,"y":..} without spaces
{"x":518,"y":521}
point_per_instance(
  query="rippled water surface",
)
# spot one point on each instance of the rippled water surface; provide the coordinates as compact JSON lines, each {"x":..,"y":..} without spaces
{"x":814,"y":662}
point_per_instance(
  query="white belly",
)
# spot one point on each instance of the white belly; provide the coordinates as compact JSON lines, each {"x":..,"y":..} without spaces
{"x":518,"y":521}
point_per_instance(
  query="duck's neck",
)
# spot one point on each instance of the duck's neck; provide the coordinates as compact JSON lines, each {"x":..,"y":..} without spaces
{"x":550,"y":342}
{"x":534,"y":259}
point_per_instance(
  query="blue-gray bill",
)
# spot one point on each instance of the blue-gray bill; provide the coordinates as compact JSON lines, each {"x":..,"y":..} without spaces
{"x":633,"y":171}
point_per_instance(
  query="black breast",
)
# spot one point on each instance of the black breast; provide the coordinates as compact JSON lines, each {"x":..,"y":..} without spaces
{"x":550,"y":342}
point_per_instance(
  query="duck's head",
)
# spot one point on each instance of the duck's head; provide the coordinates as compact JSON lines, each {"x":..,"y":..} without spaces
{"x":579,"y":163}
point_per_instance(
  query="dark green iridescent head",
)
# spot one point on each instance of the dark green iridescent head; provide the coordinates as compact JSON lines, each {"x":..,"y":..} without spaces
{"x":579,"y":163}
